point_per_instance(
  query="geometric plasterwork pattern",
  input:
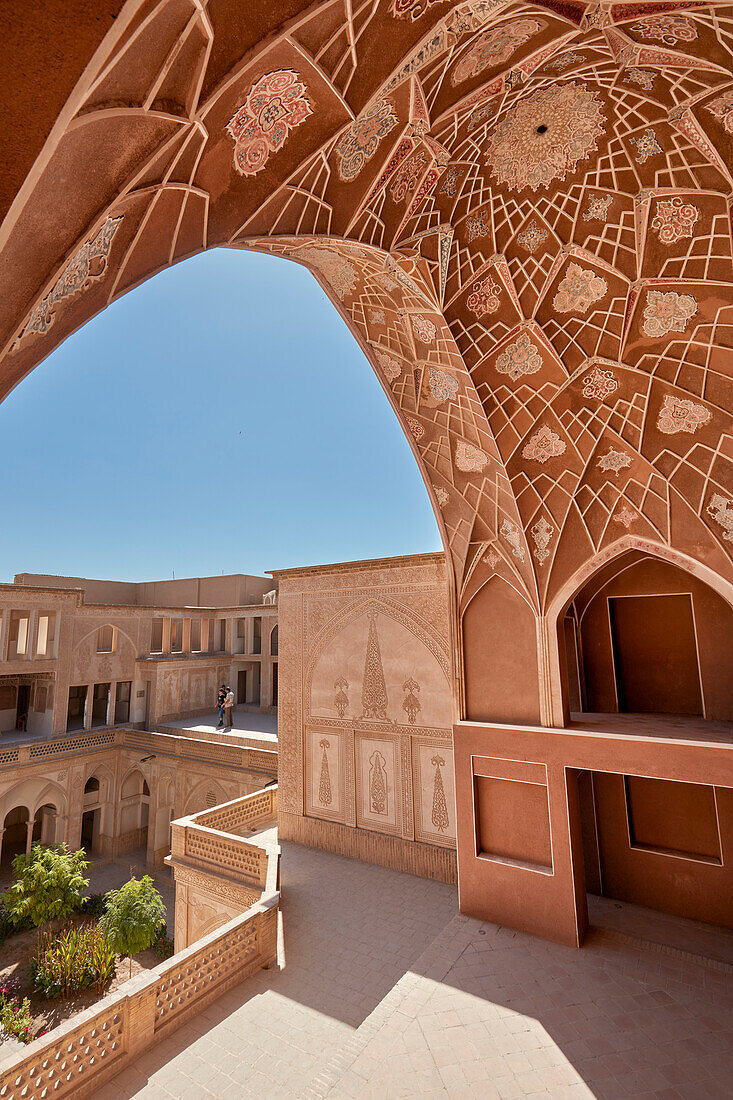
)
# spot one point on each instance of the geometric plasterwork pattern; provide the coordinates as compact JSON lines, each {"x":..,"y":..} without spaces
{"x":520,"y":212}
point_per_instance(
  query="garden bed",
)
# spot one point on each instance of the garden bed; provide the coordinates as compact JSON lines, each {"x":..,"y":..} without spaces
{"x":15,"y":959}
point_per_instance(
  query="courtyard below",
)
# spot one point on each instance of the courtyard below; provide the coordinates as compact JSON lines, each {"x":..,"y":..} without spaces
{"x":383,"y":990}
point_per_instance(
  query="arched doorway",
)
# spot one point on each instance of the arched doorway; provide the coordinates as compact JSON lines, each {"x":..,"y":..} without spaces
{"x":44,"y":824}
{"x":15,"y":839}
{"x":134,"y":812}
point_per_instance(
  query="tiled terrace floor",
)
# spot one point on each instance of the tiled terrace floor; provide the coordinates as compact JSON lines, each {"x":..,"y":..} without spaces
{"x":388,"y":993}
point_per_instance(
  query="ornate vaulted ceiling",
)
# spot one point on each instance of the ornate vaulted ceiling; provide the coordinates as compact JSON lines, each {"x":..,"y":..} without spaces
{"x":522,"y":210}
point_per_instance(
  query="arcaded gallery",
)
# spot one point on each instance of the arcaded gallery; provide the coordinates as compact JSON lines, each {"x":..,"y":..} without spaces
{"x":522,"y":213}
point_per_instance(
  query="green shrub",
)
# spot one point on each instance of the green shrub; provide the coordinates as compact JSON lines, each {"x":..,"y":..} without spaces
{"x":7,"y":925}
{"x":49,"y":883}
{"x":15,"y":1015}
{"x":163,"y":945}
{"x":93,"y":906}
{"x":133,"y":916}
{"x":72,"y":960}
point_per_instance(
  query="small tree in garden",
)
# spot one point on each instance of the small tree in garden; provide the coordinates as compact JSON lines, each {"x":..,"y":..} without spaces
{"x":49,"y":884}
{"x":133,"y":915}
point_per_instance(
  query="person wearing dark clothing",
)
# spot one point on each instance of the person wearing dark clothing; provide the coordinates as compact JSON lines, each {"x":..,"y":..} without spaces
{"x":221,"y":696}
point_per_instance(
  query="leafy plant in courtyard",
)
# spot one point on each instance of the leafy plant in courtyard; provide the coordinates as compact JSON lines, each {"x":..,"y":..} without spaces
{"x":72,"y":960}
{"x":49,"y":883}
{"x":163,"y":945}
{"x":7,"y":926}
{"x":15,"y":1015}
{"x":93,"y":906}
{"x":133,"y":916}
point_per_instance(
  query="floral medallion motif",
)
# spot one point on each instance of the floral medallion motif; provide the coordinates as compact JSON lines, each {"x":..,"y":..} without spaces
{"x":545,"y":136}
{"x":721,"y":510}
{"x":643,"y":77}
{"x":626,"y":517}
{"x":443,"y":386}
{"x":674,"y":219}
{"x":492,"y":559}
{"x":450,"y":183}
{"x":599,"y":384}
{"x":480,"y":115}
{"x":543,"y":445}
{"x":390,"y":366}
{"x":335,"y":268}
{"x":376,"y":317}
{"x":666,"y":28}
{"x":532,"y":236}
{"x":85,"y":266}
{"x":470,"y":459}
{"x":361,"y":140}
{"x":668,"y":312}
{"x":416,"y":428}
{"x":597,"y":209}
{"x":478,"y":225}
{"x":679,"y":415}
{"x":519,"y":358}
{"x":276,"y":104}
{"x":406,"y":177}
{"x":722,"y":109}
{"x":494,"y":47}
{"x":646,"y":146}
{"x":579,"y":290}
{"x":614,"y":460}
{"x":541,"y":533}
{"x":510,"y":532}
{"x":411,"y":9}
{"x":565,"y":61}
{"x":441,"y":496}
{"x":485,"y":298}
{"x":424,"y":329}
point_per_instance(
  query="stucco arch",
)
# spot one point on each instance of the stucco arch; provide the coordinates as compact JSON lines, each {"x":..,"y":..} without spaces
{"x":196,"y":798}
{"x":514,"y":392}
{"x":33,"y":793}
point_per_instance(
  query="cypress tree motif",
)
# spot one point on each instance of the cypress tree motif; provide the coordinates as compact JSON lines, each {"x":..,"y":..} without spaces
{"x":324,"y":783}
{"x":411,"y":704}
{"x":377,"y":783}
{"x":440,"y":809}
{"x":374,"y":690}
{"x":341,"y":699}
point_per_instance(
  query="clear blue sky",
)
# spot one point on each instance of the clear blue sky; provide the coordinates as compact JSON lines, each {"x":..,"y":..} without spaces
{"x":221,"y":417}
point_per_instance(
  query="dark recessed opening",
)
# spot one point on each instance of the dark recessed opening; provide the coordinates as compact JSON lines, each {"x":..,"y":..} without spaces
{"x":542,"y":129}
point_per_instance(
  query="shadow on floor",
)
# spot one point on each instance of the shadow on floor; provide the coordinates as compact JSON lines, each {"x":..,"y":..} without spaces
{"x":623,"y":1019}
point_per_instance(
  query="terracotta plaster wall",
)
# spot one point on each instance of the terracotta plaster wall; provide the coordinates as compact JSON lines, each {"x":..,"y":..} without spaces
{"x":713,"y":628}
{"x":500,"y":656}
{"x":519,"y":889}
{"x":643,"y":867}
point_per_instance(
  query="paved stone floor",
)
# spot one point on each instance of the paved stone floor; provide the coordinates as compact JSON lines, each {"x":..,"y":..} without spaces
{"x":387,"y":992}
{"x":246,"y":723}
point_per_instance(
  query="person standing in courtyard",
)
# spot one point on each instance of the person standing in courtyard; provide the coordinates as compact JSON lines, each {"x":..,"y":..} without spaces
{"x":221,"y":696}
{"x":229,"y":706}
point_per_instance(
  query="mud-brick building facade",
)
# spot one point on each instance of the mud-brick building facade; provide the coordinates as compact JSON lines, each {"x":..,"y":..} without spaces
{"x":79,"y":654}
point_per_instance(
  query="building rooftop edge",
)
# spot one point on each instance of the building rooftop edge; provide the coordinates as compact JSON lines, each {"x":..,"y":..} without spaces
{"x":434,"y":556}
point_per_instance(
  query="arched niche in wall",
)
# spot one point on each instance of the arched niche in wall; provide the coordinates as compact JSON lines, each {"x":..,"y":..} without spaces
{"x":380,"y":661}
{"x":644,"y":635}
{"x":500,"y":656}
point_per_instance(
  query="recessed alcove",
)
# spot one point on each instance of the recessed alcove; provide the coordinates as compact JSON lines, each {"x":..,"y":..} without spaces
{"x":643,"y":636}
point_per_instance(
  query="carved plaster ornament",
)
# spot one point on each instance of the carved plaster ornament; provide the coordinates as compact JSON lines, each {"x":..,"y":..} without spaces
{"x":411,"y":703}
{"x":439,"y":815}
{"x":510,"y":532}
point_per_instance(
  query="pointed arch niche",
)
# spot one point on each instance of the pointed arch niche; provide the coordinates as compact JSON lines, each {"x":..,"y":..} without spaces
{"x":645,"y":635}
